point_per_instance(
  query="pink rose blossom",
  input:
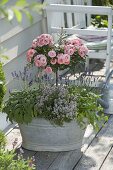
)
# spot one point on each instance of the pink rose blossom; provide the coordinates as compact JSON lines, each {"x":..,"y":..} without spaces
{"x":40,"y":42}
{"x":40,"y":60}
{"x":76,"y":42}
{"x":34,"y":43}
{"x":69,"y":49}
{"x":52,"y":53}
{"x":53,"y":61}
{"x":30,"y":54}
{"x":48,"y":70}
{"x":66,"y":59}
{"x":67,"y":63}
{"x":60,"y":58}
{"x":37,"y":62}
{"x":43,"y":60}
{"x":44,"y":39}
{"x":49,"y":56}
{"x":82,"y":51}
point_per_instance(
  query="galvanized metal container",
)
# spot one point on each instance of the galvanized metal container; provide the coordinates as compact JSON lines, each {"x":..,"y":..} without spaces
{"x":41,"y":135}
{"x":108,"y":94}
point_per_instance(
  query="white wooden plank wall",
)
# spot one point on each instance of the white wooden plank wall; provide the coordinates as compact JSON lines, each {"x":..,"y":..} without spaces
{"x":16,"y":39}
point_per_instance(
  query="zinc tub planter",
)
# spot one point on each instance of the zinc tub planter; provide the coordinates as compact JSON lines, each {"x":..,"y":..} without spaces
{"x":41,"y":135}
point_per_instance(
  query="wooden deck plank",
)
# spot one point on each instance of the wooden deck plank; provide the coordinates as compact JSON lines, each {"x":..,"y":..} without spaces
{"x":96,"y":153}
{"x":108,"y":164}
{"x":12,"y":136}
{"x":44,"y":159}
{"x":66,"y":160}
{"x":51,"y":160}
{"x":9,"y":128}
{"x":26,"y":153}
{"x":88,"y":137}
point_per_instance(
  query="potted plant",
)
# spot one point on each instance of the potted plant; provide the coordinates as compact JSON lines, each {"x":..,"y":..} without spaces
{"x":53,"y":57}
{"x":53,"y":117}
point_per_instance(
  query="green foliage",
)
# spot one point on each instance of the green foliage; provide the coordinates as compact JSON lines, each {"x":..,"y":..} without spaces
{"x":23,"y":106}
{"x":18,"y":14}
{"x":2,"y":140}
{"x":8,"y":161}
{"x":20,"y":106}
{"x":19,"y":8}
{"x":2,"y":85}
{"x":102,"y":2}
{"x":101,"y":21}
{"x":88,"y":112}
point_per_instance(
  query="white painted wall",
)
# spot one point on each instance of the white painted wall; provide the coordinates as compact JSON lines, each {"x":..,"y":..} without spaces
{"x":16,"y":39}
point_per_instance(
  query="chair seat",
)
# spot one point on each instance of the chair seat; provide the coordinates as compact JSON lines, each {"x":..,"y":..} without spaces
{"x":98,"y":45}
{"x":93,"y":42}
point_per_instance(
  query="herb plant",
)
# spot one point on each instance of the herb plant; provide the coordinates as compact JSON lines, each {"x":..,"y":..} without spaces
{"x":20,"y":105}
{"x":58,"y":104}
{"x":88,"y":110}
{"x":8,"y":161}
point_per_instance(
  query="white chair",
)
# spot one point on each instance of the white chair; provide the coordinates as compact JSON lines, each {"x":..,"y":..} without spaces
{"x":106,"y":51}
{"x":67,"y":19}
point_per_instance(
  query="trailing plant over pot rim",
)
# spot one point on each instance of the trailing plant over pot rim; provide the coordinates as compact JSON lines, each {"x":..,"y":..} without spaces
{"x":58,"y":104}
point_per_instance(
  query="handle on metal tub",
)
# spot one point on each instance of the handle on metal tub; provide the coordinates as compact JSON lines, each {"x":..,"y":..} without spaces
{"x":108,"y":79}
{"x":102,"y":102}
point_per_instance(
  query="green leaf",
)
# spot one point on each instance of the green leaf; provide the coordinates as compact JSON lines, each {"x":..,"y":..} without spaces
{"x":27,"y":118}
{"x":37,"y":7}
{"x":18,"y":15}
{"x":21,"y":3}
{"x":29,"y":16}
{"x":98,"y":17}
{"x":4,"y":12}
{"x":20,"y":118}
{"x":3,"y":2}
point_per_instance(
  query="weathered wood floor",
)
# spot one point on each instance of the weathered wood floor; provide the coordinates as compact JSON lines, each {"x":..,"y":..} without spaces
{"x":97,"y":151}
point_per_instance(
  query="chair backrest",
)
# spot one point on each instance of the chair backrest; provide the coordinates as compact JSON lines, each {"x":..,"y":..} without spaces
{"x":67,"y":19}
{"x":82,"y":9}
